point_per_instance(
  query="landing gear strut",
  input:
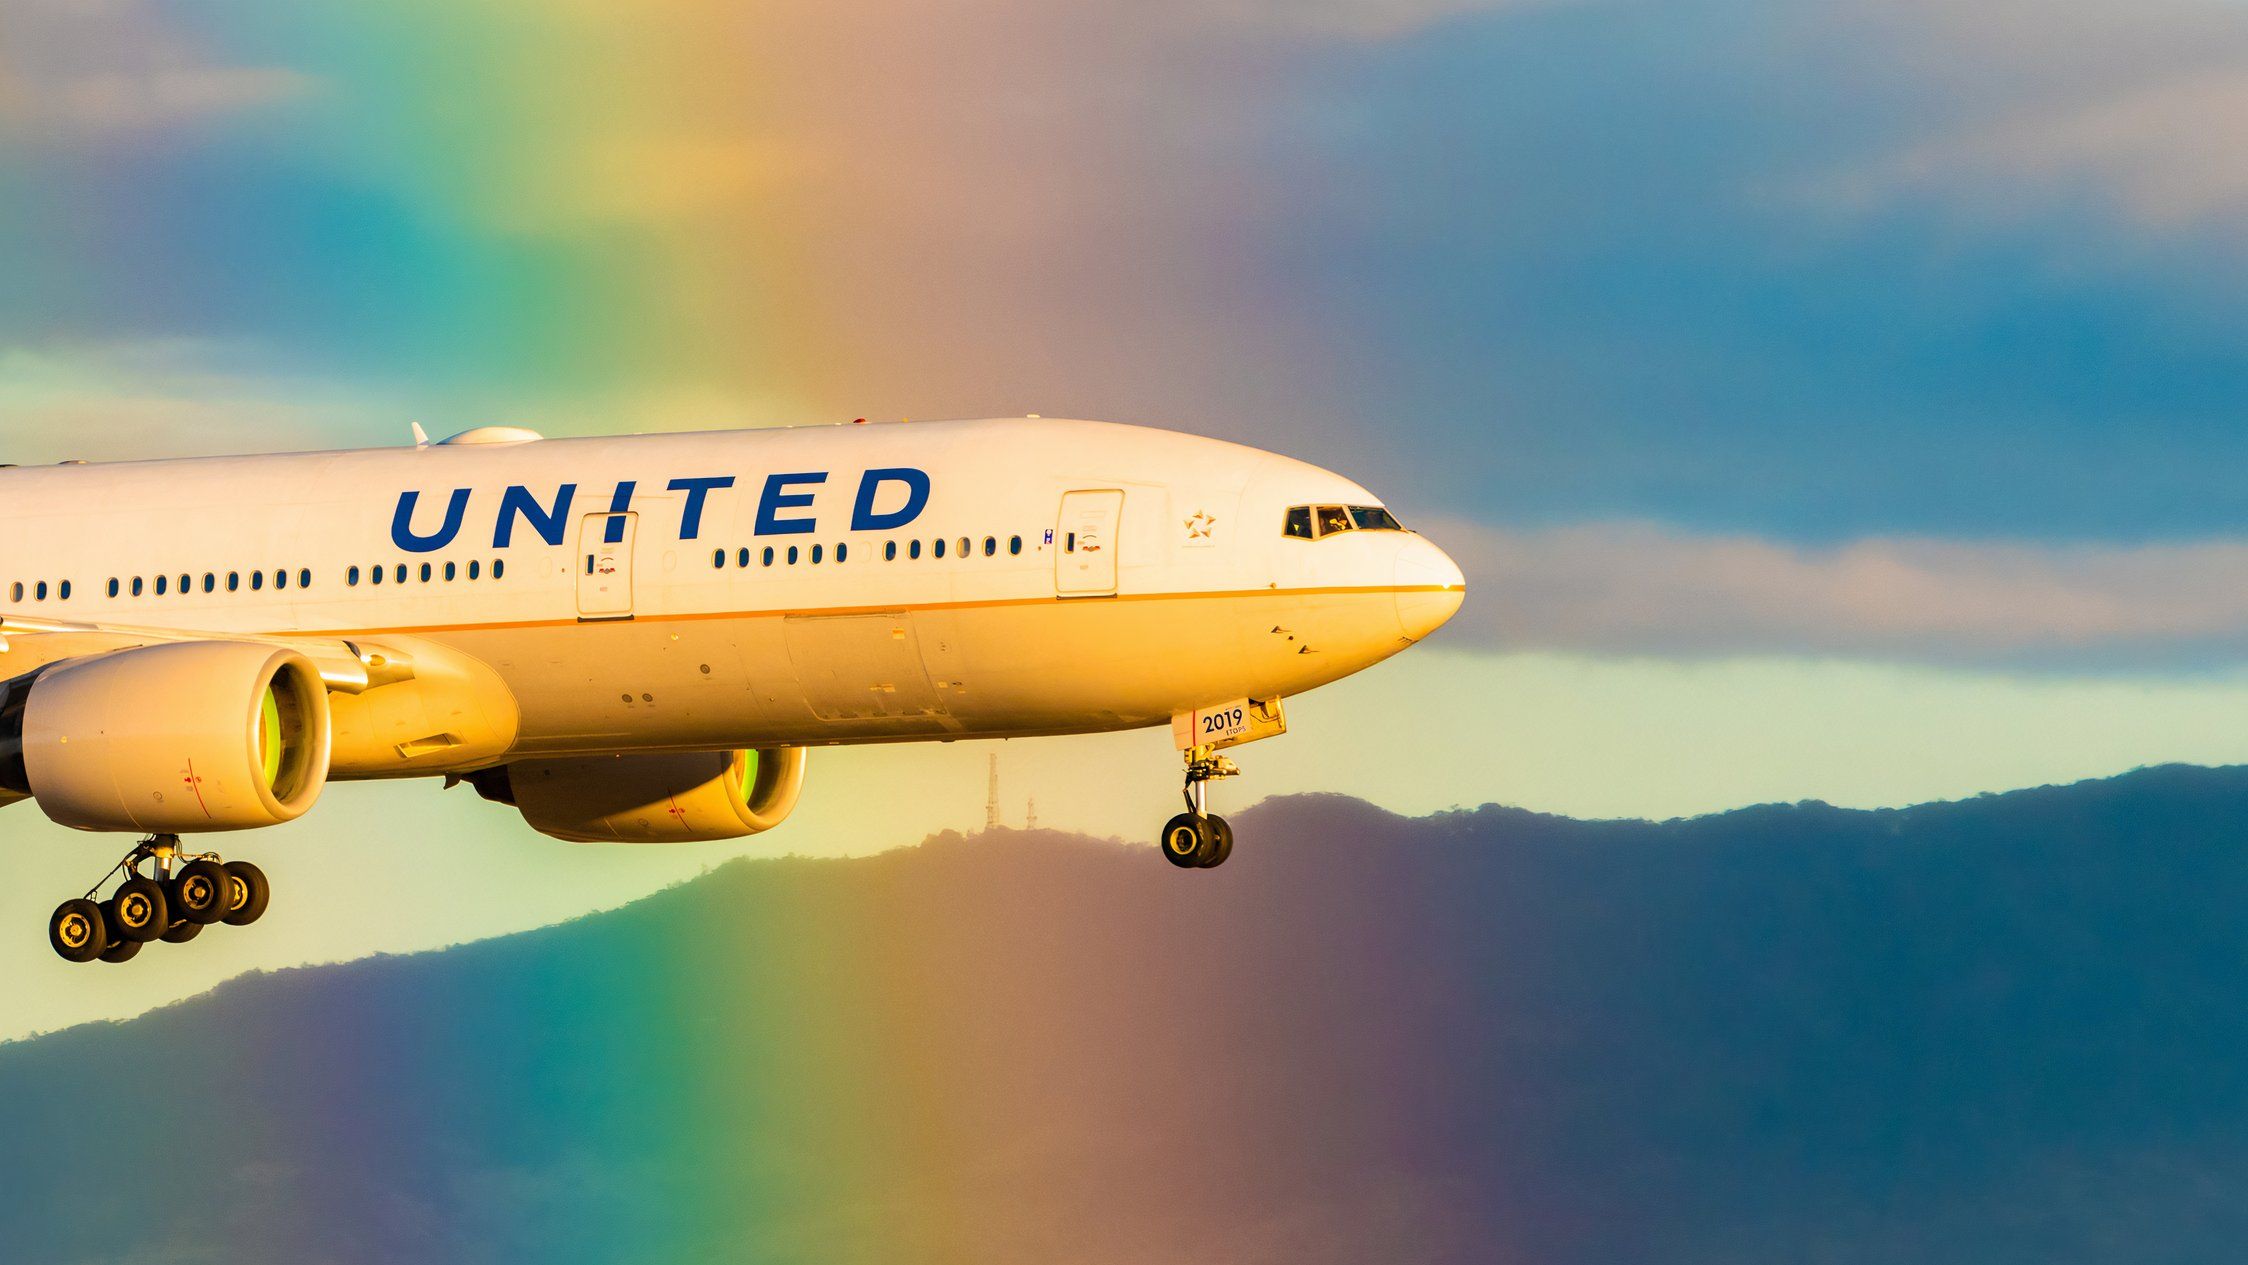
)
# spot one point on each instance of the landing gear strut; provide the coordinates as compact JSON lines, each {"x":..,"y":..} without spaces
{"x":1196,"y":839}
{"x":188,"y":892}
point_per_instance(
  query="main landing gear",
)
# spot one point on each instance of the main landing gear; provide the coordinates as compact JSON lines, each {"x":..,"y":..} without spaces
{"x":1196,"y":839}
{"x":188,"y":892}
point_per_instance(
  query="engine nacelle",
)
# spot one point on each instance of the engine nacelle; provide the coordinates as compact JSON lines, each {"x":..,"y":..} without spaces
{"x":685,"y":798}
{"x":178,"y":738}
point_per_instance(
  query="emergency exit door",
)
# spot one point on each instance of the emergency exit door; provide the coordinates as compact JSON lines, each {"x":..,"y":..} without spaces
{"x":605,"y":565}
{"x":1085,"y":543}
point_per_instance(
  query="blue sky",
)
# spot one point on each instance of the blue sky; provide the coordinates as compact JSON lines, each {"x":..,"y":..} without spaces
{"x":1806,"y":272}
{"x":1615,"y":249}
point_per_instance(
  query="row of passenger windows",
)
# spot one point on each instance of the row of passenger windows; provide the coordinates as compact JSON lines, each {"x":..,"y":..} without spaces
{"x":254,"y":581}
{"x":165,"y":585}
{"x":793,"y":554}
{"x":1310,"y":522}
{"x":401,"y":572}
{"x":474,"y":569}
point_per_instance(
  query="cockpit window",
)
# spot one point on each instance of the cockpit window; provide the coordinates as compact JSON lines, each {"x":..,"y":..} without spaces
{"x":1313,"y":522}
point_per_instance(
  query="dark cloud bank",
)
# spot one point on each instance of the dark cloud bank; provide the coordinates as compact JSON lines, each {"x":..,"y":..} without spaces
{"x":2003,"y":1030}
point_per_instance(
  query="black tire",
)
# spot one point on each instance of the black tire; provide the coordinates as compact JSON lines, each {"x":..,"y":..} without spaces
{"x":137,"y":911}
{"x":1183,"y":841}
{"x":200,"y":893}
{"x":250,"y":894}
{"x":78,"y":931}
{"x":1221,"y":842}
{"x":122,"y":951}
{"x":182,"y":931}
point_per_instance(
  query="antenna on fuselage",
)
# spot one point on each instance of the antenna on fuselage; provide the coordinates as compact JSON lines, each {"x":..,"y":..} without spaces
{"x":421,"y":437}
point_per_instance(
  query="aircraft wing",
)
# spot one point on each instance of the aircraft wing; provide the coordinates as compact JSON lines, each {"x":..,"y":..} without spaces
{"x":347,"y":666}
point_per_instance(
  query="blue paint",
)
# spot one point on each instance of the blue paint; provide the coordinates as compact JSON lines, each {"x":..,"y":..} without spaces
{"x":619,"y":502}
{"x":517,"y":502}
{"x":690,"y":519}
{"x":863,"y":516}
{"x":777,"y":498}
{"x":402,"y":523}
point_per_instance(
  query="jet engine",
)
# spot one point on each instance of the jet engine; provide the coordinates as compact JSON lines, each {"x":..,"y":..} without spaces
{"x":176,"y":738}
{"x":684,"y":798}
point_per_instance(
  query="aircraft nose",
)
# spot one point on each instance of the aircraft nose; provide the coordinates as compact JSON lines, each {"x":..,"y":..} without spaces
{"x":1430,"y":587}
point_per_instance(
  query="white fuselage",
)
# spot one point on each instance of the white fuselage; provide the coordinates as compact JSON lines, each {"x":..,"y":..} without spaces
{"x":615,"y":594}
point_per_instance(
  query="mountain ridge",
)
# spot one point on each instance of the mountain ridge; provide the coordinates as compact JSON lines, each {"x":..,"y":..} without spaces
{"x":2002,"y":1028}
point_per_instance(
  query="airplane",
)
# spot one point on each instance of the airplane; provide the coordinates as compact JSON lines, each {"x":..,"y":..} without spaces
{"x":639,"y":638}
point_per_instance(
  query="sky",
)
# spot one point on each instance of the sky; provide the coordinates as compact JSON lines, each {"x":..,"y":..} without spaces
{"x":1825,"y":400}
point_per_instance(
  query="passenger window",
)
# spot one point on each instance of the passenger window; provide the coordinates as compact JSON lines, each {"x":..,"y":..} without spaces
{"x":1333,"y":518}
{"x":842,"y":551}
{"x":717,"y":558}
{"x":159,"y":587}
{"x":234,"y":581}
{"x":451,"y":570}
{"x":499,"y":567}
{"x":741,"y":559}
{"x":1299,"y":523}
{"x":426,"y":572}
{"x":210,"y":582}
{"x":378,"y":574}
{"x":400,"y":574}
{"x":41,"y":591}
{"x":768,"y":555}
{"x":281,"y":579}
{"x":938,"y":548}
{"x":965,"y":547}
{"x":792,"y":555}
{"x":815,"y":555}
{"x":136,"y":586}
{"x":912,"y":549}
{"x":889,"y":551}
{"x":304,"y":577}
{"x":64,"y":594}
{"x":1014,"y":544}
{"x":991,"y":545}
{"x":351,"y":577}
{"x":476,"y":568}
{"x":113,"y":586}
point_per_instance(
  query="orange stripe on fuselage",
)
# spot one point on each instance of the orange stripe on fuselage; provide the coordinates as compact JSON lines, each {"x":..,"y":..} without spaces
{"x":892,"y":608}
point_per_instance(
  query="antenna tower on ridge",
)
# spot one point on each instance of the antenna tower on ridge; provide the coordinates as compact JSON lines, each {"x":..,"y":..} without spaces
{"x":991,"y":800}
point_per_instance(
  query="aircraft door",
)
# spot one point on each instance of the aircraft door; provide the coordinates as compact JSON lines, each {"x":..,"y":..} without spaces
{"x":1085,"y":543}
{"x":604,"y":568}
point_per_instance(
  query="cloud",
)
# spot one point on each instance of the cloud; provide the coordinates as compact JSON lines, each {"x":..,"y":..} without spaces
{"x":2162,"y":153}
{"x":130,"y":101}
{"x":2133,"y":106}
{"x":1350,"y":19}
{"x":136,"y":400}
{"x":114,"y":67}
{"x":175,"y":397}
{"x":1638,"y":589}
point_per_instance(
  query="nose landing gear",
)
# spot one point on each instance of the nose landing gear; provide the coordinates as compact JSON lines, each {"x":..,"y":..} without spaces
{"x":1196,"y":839}
{"x":173,"y":906}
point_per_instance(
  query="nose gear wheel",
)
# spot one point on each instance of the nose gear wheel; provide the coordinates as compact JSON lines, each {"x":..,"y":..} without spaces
{"x":1198,"y":839}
